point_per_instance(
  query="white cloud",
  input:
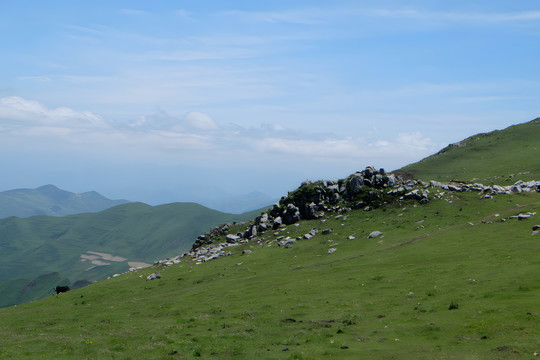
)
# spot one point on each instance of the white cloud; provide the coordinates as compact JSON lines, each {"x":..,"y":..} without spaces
{"x":317,"y":16}
{"x":197,"y":138}
{"x":468,"y":17}
{"x":201,"y":121}
{"x":349,"y":148}
{"x":32,"y":112}
{"x":297,"y":16}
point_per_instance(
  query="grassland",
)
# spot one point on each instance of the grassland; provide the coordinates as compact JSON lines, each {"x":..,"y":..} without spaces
{"x":490,"y":158}
{"x":381,"y":298}
{"x":447,"y":280}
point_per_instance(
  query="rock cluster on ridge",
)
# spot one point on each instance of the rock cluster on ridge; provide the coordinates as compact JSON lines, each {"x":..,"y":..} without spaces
{"x":364,"y":190}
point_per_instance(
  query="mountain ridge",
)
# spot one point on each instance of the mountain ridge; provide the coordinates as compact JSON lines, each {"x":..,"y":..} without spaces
{"x":52,"y":201}
{"x":493,"y":157}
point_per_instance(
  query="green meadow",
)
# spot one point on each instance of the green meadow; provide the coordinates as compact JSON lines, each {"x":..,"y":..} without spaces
{"x":490,"y":158}
{"x":432,"y":287}
{"x":456,"y":278}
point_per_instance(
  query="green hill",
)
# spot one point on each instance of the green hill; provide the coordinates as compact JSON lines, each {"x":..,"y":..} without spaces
{"x":52,"y":201}
{"x":366,"y":267}
{"x":491,"y":157}
{"x":89,"y":247}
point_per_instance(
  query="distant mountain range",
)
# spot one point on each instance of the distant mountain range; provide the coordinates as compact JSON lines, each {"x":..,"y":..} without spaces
{"x":52,"y":201}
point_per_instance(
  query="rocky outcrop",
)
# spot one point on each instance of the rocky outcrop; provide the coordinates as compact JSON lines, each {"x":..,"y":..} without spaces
{"x":363,"y":190}
{"x":208,"y":237}
{"x":489,"y":190}
{"x":311,"y":200}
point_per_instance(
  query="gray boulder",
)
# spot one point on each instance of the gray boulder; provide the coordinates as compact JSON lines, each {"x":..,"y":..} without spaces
{"x":277,"y":222}
{"x":374,"y":234}
{"x":291,"y":215}
{"x":153,"y":276}
{"x":231,"y":239}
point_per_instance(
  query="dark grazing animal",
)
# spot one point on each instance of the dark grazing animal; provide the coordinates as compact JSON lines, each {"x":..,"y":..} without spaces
{"x":61,"y":289}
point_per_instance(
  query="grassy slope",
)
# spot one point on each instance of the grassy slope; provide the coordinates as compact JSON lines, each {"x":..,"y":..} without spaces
{"x":312,"y":303}
{"x":488,"y":158}
{"x":36,"y":246}
{"x":382,"y":298}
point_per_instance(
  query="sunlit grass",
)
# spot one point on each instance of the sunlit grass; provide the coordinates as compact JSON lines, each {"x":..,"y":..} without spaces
{"x":382,"y":298}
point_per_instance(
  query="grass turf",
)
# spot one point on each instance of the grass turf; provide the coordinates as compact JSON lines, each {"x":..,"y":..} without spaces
{"x":384,"y":298}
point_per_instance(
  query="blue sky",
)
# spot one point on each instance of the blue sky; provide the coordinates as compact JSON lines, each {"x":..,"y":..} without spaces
{"x":183,"y":100}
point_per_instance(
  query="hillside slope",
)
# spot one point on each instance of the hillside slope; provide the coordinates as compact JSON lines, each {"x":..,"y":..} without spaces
{"x":491,"y":157}
{"x":372,"y":275}
{"x":88,"y":247}
{"x":52,"y":201}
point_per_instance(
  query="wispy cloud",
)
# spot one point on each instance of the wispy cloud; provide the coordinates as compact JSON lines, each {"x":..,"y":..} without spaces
{"x":331,"y":14}
{"x":39,"y":78}
{"x":454,"y":16}
{"x":195,"y":133}
{"x":304,"y":16}
{"x":31,"y":113}
{"x":85,"y":30}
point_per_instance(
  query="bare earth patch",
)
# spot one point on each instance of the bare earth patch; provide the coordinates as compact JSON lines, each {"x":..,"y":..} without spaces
{"x":107,"y":257}
{"x":100,"y":259}
{"x":133,"y":264}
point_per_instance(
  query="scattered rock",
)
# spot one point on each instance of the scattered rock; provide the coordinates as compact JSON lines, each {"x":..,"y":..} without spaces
{"x":311,"y":233}
{"x":367,"y":189}
{"x":153,"y":276}
{"x":232,"y":238}
{"x":374,"y":234}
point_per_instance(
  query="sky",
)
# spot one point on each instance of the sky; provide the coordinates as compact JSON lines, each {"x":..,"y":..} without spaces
{"x":164,"y":101}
